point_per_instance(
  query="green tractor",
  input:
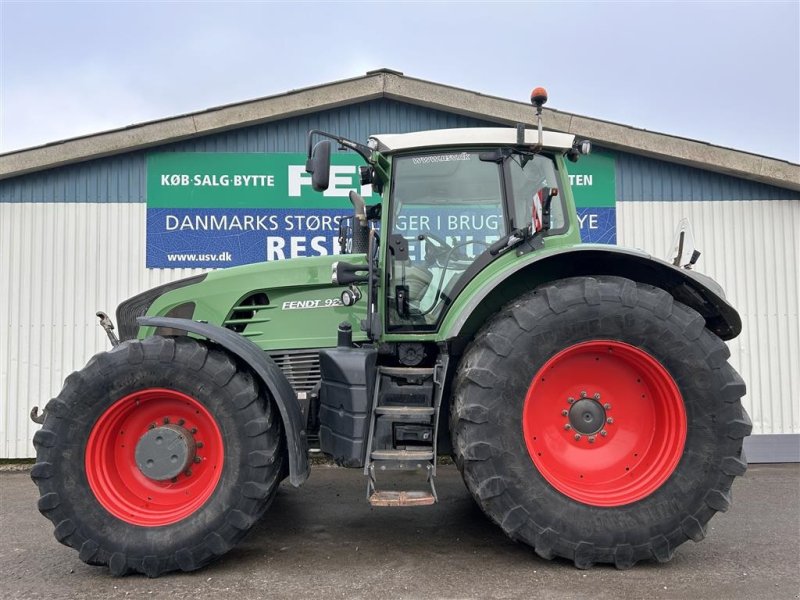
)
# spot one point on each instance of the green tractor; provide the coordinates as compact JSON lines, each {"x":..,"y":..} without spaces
{"x":583,"y":390}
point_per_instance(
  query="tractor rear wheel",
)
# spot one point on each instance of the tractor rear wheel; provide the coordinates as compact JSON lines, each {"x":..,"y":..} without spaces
{"x":598,"y":420}
{"x":159,"y":455}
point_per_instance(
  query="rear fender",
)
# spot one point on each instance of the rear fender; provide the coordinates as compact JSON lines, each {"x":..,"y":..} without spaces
{"x":703,"y":294}
{"x":269,"y":373}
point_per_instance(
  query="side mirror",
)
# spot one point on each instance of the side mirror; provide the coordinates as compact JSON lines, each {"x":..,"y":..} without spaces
{"x":319,"y":166}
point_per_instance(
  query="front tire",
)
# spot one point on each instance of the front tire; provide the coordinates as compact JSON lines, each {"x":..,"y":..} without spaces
{"x":598,"y":420}
{"x":109,"y":487}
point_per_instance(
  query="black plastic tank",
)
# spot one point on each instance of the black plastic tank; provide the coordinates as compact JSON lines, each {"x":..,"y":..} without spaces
{"x":348,"y":379}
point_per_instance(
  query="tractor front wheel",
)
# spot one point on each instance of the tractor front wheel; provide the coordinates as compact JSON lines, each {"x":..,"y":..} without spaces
{"x":159,"y":455}
{"x":598,"y":420}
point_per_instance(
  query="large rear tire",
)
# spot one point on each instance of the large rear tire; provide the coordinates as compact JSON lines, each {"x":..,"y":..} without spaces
{"x":109,"y":487}
{"x":598,"y":420}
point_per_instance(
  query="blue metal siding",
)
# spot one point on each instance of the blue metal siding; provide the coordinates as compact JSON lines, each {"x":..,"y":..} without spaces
{"x":114,"y":179}
{"x":357,"y":122}
{"x":122,"y":178}
{"x":640,"y":178}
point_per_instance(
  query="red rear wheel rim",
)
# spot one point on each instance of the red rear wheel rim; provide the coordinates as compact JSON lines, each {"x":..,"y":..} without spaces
{"x":631,"y":417}
{"x":112,"y":472}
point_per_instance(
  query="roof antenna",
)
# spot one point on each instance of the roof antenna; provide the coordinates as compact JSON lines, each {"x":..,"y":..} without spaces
{"x":538,"y":98}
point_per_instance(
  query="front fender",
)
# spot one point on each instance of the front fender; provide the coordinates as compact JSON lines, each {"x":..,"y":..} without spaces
{"x":269,"y":373}
{"x":483,"y":297}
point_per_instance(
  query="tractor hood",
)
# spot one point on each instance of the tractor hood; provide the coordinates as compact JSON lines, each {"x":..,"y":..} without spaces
{"x":278,"y":305}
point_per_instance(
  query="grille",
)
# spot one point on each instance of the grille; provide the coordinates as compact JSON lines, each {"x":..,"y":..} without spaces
{"x":301,"y":368}
{"x":246,"y":312}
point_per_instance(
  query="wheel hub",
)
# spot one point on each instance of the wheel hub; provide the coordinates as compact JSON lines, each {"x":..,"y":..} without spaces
{"x":165,"y":452}
{"x":587,"y":416}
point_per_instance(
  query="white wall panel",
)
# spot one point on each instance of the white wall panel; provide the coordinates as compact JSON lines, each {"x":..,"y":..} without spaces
{"x":753,"y":250}
{"x":59,"y":263}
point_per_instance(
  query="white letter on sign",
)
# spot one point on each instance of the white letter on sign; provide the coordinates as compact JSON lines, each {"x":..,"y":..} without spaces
{"x":341,"y":180}
{"x":297,"y":179}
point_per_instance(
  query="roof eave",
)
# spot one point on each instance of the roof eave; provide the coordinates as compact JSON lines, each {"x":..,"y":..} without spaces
{"x":175,"y":129}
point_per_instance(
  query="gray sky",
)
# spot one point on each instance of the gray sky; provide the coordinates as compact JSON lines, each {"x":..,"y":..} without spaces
{"x":723,"y":72}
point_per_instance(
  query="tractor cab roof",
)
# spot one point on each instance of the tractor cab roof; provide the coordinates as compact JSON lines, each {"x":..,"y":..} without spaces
{"x":470,"y":136}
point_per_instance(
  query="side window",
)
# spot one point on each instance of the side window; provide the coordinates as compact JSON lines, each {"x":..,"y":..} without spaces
{"x":446,"y":210}
{"x":527,"y":179}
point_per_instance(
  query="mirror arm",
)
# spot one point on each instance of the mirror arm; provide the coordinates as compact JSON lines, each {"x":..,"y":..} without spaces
{"x":364,"y":151}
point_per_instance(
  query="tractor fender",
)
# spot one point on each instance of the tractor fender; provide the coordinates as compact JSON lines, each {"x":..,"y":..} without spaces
{"x":269,"y":373}
{"x":476,"y":302}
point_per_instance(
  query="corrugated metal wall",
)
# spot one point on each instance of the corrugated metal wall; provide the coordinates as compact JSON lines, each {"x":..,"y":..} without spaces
{"x":752,"y":249}
{"x":72,"y":241}
{"x":59,"y":263}
{"x":640,"y":178}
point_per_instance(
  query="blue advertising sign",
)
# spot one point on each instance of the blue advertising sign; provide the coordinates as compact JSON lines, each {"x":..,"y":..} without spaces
{"x":224,"y":209}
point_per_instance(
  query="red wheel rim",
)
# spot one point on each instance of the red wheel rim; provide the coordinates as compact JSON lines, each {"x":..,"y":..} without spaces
{"x":114,"y":476}
{"x":641,"y":415}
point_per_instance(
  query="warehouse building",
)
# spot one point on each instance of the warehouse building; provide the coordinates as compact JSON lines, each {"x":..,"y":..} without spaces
{"x":90,"y":221}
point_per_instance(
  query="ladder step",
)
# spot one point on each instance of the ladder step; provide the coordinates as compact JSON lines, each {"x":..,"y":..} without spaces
{"x":410,"y":498}
{"x":407,"y":371}
{"x":402,"y":455}
{"x":405,"y":411}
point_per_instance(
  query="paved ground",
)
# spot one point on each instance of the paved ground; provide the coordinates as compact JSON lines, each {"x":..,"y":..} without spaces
{"x":324,"y":541}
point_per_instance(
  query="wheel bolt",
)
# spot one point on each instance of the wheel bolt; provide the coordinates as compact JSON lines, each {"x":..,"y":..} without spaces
{"x":577,"y":437}
{"x":592,"y":439}
{"x":610,"y":420}
{"x":607,"y":406}
{"x":583,"y":394}
{"x":193,"y":430}
{"x":564,"y":413}
{"x":199,"y":444}
{"x":174,"y":480}
{"x":188,"y":472}
{"x":197,"y":459}
{"x":181,"y":422}
{"x":570,"y":400}
{"x":604,"y":433}
{"x":151,"y":426}
{"x":567,"y":426}
{"x":597,"y":396}
{"x":166,"y":420}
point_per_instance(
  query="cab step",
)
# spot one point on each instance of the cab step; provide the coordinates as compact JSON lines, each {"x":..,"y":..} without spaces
{"x":405,"y":411}
{"x":408,"y":372}
{"x":402,"y":498}
{"x":401,"y":455}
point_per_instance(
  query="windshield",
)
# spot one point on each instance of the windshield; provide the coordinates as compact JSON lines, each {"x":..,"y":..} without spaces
{"x":447,"y":208}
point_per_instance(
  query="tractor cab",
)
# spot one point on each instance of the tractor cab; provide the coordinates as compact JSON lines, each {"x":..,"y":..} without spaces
{"x":453,"y":202}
